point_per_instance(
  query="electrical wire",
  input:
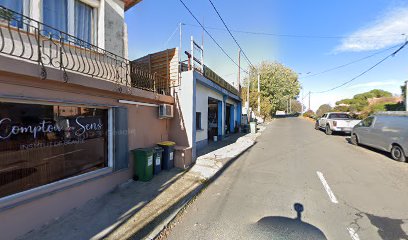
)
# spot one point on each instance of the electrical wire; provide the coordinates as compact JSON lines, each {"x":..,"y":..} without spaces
{"x":171,"y":36}
{"x":297,"y":35}
{"x":225,"y":25}
{"x":215,"y":41}
{"x":366,"y":71}
{"x":352,"y":62}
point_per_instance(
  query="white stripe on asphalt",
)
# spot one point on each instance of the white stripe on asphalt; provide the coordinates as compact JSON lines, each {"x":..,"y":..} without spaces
{"x":326,"y":186}
{"x":353,"y":234}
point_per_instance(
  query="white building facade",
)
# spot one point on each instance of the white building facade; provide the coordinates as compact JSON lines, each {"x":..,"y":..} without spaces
{"x":210,"y":111}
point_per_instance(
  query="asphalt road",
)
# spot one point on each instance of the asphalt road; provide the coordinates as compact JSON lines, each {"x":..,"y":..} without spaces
{"x":345,"y":192}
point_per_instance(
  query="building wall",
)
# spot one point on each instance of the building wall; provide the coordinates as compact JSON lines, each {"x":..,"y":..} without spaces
{"x":181,"y":130}
{"x":203,"y":93}
{"x":115,"y":27}
{"x":191,"y":97}
{"x":31,"y":209}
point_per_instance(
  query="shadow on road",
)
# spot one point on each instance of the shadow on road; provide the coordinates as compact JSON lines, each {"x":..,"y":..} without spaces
{"x":278,"y":227}
{"x":388,"y":228}
{"x":387,"y":154}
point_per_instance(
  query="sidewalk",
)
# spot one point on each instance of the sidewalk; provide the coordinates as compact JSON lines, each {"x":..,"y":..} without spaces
{"x":140,"y":210}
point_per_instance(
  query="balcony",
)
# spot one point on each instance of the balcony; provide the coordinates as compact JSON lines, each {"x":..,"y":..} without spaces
{"x":29,"y":40}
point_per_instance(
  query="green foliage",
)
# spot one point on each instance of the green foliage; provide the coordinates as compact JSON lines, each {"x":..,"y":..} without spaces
{"x":278,"y":84}
{"x":360,"y":101}
{"x":6,"y":14}
{"x":341,"y":109}
{"x":296,"y":106}
{"x":380,"y":107}
{"x":310,"y":114}
{"x":325,"y":108}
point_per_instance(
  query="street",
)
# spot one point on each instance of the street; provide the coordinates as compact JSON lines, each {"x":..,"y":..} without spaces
{"x":345,"y":191}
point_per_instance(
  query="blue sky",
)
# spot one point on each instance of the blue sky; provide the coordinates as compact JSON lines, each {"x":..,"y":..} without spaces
{"x":356,"y":29}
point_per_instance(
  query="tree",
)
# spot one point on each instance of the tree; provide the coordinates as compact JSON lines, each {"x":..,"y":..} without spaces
{"x":310,"y":114}
{"x":296,"y":106}
{"x":360,"y":101}
{"x":278,"y":84}
{"x":325,"y":108}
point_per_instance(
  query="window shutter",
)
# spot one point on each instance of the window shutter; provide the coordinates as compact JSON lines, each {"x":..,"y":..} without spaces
{"x":120,"y":138}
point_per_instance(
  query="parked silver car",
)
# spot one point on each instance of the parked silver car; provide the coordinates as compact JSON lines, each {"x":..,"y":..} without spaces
{"x":387,"y":131}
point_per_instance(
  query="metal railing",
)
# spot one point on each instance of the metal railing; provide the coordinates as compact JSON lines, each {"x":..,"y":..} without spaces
{"x":25,"y":38}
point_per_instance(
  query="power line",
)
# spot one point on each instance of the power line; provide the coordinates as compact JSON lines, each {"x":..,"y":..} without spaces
{"x":297,"y":35}
{"x":366,"y":71}
{"x":171,"y":36}
{"x":352,"y":62}
{"x":222,"y":49}
{"x":225,"y":25}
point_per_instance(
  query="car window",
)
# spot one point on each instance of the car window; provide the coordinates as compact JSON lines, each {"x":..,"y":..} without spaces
{"x":324,"y":115}
{"x":339,"y":115}
{"x":367,"y":122}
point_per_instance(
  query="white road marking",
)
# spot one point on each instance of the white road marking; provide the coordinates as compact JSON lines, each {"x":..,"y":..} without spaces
{"x":326,"y":186}
{"x":353,"y":234}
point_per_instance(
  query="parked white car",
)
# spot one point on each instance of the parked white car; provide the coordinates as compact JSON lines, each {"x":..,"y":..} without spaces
{"x":336,"y":122}
{"x":386,"y":131}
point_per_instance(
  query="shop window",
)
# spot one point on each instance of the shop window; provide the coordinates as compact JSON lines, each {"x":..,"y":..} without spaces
{"x":198,"y":121}
{"x":41,"y":144}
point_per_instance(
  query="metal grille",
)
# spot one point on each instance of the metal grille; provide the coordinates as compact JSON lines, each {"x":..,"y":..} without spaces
{"x":28,"y":39}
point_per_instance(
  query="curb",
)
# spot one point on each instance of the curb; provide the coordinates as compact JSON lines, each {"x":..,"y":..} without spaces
{"x":160,"y":229}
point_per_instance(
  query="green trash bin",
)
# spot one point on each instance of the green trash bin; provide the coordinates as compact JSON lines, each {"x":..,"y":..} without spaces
{"x":143,"y":164}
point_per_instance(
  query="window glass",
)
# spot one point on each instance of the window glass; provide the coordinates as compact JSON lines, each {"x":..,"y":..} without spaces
{"x":83,"y":21}
{"x":16,"y":6}
{"x":367,"y":122}
{"x":198,"y":120}
{"x":41,"y":144}
{"x":339,"y":116}
{"x":55,"y":14}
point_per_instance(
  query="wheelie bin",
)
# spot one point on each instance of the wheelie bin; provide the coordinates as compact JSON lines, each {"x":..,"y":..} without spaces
{"x":143,"y":164}
{"x":157,"y":157}
{"x":168,"y":154}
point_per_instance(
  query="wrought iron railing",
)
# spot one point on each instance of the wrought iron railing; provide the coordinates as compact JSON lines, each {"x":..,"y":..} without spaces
{"x":31,"y":40}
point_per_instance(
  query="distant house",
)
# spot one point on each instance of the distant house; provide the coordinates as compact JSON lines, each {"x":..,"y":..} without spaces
{"x":372,"y":101}
{"x":207,"y":108}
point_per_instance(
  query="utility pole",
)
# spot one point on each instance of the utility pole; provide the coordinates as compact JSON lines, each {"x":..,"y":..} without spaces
{"x":249,"y":84}
{"x":192,"y":51}
{"x":179,"y":53}
{"x":290,"y":105}
{"x":406,"y":95}
{"x":309,"y":99}
{"x":239,"y":70}
{"x":301,"y":103}
{"x":259,"y":94}
{"x":287,"y":106}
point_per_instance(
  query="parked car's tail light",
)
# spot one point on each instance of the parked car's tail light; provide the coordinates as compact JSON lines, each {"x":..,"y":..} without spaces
{"x":334,"y":123}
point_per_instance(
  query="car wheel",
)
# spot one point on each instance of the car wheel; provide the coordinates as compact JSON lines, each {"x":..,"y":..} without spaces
{"x":328,"y":130}
{"x":397,"y":153}
{"x":317,"y":126}
{"x":354,"y":139}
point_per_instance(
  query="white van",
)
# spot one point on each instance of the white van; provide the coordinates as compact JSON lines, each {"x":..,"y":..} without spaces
{"x":387,"y":131}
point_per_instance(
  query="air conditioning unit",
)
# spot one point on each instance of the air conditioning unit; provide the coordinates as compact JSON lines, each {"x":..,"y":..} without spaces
{"x":165,"y":111}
